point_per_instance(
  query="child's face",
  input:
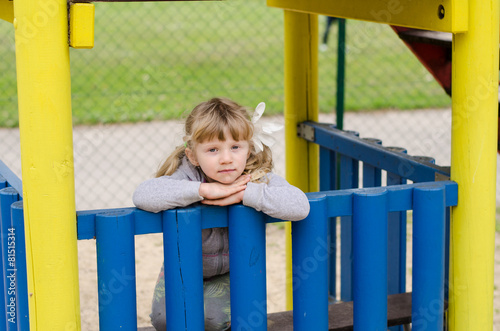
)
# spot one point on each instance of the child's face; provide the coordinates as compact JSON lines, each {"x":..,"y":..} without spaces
{"x":221,"y":161}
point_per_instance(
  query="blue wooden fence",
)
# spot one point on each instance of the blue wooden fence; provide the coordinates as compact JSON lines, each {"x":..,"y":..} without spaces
{"x":114,"y":231}
{"x":373,"y":260}
{"x":340,"y":155}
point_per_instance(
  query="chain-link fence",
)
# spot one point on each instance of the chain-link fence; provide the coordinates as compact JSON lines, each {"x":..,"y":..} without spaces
{"x":153,"y":61}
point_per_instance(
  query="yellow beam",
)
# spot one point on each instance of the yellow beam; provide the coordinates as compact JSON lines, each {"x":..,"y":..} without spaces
{"x":443,"y":15}
{"x":473,"y":167}
{"x":7,"y":10}
{"x":301,"y":104}
{"x":44,"y":93}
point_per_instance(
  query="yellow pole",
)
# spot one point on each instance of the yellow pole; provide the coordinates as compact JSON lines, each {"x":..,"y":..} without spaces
{"x":473,"y":167}
{"x":301,"y":104}
{"x":44,"y":92}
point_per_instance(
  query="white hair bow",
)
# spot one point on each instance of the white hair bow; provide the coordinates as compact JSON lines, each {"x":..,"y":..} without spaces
{"x":263,"y":132}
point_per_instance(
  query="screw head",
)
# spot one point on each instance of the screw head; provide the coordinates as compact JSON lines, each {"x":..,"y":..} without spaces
{"x":441,"y":12}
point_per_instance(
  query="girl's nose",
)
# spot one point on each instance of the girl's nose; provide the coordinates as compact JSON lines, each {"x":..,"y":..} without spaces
{"x":225,"y":157}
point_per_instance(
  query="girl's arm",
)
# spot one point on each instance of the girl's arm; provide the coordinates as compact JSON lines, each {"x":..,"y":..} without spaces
{"x":168,"y":192}
{"x":277,"y":199}
{"x":165,"y":193}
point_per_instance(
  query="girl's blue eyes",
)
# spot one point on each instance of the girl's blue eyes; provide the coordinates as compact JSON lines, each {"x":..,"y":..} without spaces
{"x":213,"y":150}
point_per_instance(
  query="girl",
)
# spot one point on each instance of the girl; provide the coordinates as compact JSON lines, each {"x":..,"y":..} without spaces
{"x":223,"y":161}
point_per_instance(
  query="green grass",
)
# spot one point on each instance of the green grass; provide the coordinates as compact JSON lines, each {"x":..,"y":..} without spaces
{"x":155,"y":60}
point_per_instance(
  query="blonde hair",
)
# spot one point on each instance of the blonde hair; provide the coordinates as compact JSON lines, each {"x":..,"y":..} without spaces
{"x":208,"y":121}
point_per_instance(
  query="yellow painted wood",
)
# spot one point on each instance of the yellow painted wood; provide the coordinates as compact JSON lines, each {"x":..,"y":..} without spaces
{"x":7,"y":10}
{"x":44,"y":93}
{"x":81,"y":25}
{"x":421,"y":14}
{"x":473,"y":167}
{"x":301,"y":104}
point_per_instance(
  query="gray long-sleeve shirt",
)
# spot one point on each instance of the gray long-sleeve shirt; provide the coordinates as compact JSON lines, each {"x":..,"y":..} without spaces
{"x":277,"y":198}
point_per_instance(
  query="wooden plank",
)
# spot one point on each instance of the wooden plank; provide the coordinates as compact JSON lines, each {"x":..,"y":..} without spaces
{"x":341,"y":315}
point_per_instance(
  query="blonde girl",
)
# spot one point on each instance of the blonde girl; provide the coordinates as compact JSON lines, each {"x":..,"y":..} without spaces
{"x":225,"y":159}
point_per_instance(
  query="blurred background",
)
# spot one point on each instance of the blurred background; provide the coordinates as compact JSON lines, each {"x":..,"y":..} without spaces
{"x":154,"y":61}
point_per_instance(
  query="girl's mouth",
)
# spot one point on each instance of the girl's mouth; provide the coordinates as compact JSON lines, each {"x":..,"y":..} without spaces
{"x":226,"y":171}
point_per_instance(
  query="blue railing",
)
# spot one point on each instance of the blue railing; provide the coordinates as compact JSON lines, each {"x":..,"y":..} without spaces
{"x":340,"y":168}
{"x":372,"y":212}
{"x":114,"y":232}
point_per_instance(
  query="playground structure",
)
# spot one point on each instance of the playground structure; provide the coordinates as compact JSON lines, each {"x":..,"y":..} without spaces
{"x":48,"y":184}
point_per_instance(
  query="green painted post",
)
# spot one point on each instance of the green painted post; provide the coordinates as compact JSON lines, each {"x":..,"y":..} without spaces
{"x":341,"y":50}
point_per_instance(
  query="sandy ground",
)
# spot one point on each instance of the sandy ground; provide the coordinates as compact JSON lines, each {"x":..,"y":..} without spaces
{"x":111,"y":160}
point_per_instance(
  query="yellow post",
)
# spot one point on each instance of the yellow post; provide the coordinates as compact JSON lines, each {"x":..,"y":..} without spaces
{"x":473,"y":167}
{"x":44,"y":92}
{"x":301,"y":104}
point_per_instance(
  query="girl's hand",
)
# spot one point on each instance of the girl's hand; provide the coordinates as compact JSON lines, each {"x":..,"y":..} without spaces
{"x":216,"y":191}
{"x":229,"y":200}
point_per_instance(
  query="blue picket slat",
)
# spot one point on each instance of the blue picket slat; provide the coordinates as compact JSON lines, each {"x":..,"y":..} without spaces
{"x":21,"y":268}
{"x":328,"y":182}
{"x":247,"y":252}
{"x":116,"y":270}
{"x":332,"y":261}
{"x":183,"y":269}
{"x":349,"y":178}
{"x":428,"y":259}
{"x":396,"y":238}
{"x":396,"y":243}
{"x":310,"y":269}
{"x":370,"y":260}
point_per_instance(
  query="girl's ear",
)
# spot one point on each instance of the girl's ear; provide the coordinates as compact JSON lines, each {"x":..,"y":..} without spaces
{"x":191,"y":157}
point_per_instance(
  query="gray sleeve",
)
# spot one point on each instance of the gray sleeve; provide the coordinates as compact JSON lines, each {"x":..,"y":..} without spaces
{"x":277,"y":199}
{"x":165,"y":193}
